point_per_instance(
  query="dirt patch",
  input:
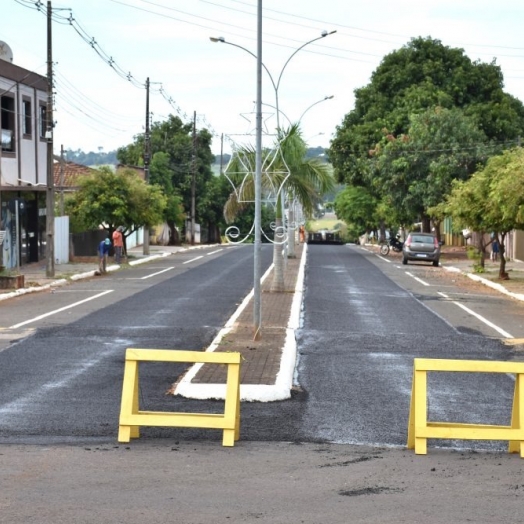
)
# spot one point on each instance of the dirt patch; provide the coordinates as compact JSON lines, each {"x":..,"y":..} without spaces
{"x":376,"y":490}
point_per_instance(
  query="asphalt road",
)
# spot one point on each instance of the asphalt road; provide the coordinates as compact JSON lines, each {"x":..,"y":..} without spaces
{"x":365,"y":319}
{"x":333,"y":453}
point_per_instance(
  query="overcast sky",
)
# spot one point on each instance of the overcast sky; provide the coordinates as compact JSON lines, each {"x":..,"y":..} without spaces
{"x":168,"y":41}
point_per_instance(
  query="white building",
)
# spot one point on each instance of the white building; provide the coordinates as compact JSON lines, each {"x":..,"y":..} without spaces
{"x":23,"y":162}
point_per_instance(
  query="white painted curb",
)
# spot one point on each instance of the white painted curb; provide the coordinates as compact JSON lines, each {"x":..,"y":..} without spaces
{"x":281,"y":390}
{"x":26,"y":290}
{"x":500,"y":288}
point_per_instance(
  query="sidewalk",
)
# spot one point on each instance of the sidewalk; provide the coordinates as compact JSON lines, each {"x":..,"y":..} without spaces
{"x":36,"y":279}
{"x":268,"y":364}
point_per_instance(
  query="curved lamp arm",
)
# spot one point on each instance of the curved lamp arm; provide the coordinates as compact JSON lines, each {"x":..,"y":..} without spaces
{"x":314,"y":104}
{"x":222,"y":40}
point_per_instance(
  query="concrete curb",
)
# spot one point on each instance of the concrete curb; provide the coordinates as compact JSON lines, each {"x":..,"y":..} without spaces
{"x":89,"y":274}
{"x":26,"y":290}
{"x":281,"y":390}
{"x":498,"y":287}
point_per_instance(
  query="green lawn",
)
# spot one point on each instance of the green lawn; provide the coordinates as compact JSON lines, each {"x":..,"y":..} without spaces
{"x":323,"y":223}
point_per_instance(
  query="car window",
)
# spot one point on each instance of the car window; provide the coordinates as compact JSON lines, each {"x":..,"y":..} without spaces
{"x":422,"y":239}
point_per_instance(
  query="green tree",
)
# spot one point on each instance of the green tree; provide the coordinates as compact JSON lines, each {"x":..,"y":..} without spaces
{"x":108,"y":200}
{"x":287,"y":169}
{"x":420,"y":76}
{"x":358,"y":208}
{"x":160,"y":174}
{"x":416,"y":170}
{"x":492,"y":200}
{"x":186,"y":155}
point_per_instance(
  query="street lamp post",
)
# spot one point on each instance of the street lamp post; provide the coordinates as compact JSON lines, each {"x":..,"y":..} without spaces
{"x":258,"y":158}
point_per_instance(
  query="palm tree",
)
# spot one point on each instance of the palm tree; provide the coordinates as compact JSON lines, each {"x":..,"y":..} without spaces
{"x":286,"y":173}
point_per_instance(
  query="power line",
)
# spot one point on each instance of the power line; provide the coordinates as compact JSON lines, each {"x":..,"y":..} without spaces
{"x":294,"y":15}
{"x":108,"y":59}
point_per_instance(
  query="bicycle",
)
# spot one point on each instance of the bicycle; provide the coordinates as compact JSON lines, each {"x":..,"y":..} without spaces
{"x":384,"y":248}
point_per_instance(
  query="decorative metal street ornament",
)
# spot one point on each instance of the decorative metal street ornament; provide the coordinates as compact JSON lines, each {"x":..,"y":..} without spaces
{"x":273,"y":183}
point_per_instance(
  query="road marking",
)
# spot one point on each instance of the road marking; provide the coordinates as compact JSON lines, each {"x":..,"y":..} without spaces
{"x":157,"y":273}
{"x":60,"y":310}
{"x":213,"y":252}
{"x":479,"y":317}
{"x":193,"y":259}
{"x":416,"y":278}
{"x":384,"y":258}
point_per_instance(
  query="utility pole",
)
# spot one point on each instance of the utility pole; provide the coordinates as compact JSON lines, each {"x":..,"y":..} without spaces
{"x":147,"y":158}
{"x":50,"y":196}
{"x":193,"y":181}
{"x":222,"y":154}
{"x":62,"y":180}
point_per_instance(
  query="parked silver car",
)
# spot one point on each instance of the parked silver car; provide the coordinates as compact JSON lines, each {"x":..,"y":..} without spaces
{"x":422,"y":247}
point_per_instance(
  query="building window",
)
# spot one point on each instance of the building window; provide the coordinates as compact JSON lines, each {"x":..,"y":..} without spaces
{"x":27,"y":118}
{"x":7,"y":121}
{"x":43,"y":121}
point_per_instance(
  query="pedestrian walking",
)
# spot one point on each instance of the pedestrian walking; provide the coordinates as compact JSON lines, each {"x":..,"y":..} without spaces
{"x":103,"y":251}
{"x":494,"y":249}
{"x":302,"y":234}
{"x":118,"y":243}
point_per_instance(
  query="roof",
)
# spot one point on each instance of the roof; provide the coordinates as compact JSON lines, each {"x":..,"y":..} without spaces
{"x":22,"y":76}
{"x":71,"y":174}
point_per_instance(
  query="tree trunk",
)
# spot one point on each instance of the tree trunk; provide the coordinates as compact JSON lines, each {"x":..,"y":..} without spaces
{"x":503,"y":275}
{"x":481,"y":248}
{"x":291,"y":231}
{"x":436,"y":225}
{"x":426,"y":224}
{"x":382,"y":236}
{"x":277,"y":285}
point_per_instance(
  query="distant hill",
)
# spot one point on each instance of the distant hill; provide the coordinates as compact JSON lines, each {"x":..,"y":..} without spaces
{"x":312,"y":152}
{"x":91,"y":158}
{"x":102,"y":158}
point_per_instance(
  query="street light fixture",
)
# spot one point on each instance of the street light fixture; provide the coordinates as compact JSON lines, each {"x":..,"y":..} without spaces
{"x":276,"y":85}
{"x":314,"y":104}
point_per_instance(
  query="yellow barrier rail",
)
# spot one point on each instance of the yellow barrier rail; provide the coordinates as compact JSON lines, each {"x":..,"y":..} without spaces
{"x":131,"y":417}
{"x":419,"y":429}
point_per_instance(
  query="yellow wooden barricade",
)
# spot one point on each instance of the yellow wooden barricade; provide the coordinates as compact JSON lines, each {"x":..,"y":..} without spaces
{"x":131,"y":417}
{"x":419,"y":429}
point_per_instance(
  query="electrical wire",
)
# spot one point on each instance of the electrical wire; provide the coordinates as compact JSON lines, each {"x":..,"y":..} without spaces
{"x":38,"y":5}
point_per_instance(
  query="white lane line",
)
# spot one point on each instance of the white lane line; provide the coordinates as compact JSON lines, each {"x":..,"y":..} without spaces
{"x":193,"y":259}
{"x":476,"y":315}
{"x":59,"y":310}
{"x":383,"y":258}
{"x":416,"y":278}
{"x":213,"y":252}
{"x":157,"y":273}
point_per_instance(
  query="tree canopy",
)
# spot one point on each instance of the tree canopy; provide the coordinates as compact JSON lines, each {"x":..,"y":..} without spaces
{"x":175,"y":153}
{"x":290,"y":173}
{"x":492,"y":200}
{"x":106,"y":199}
{"x":422,"y":99}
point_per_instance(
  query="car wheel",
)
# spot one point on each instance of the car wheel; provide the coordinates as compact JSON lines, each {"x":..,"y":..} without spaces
{"x":405,"y":261}
{"x":435,"y":263}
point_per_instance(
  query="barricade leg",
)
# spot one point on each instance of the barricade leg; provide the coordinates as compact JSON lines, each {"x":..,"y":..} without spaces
{"x":517,"y":415}
{"x":411,"y":423}
{"x":421,"y":416}
{"x":129,"y":401}
{"x":232,"y":405}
